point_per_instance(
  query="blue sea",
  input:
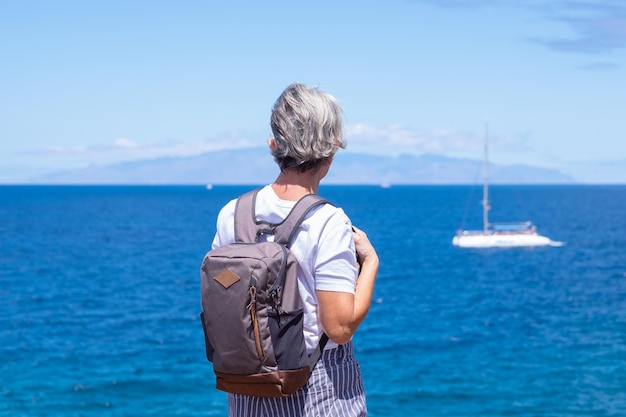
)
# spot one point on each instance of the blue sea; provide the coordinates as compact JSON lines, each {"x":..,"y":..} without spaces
{"x":99,"y":301}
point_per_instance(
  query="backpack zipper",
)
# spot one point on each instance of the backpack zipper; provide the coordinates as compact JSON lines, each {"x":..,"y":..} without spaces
{"x":276,"y":289}
{"x":255,"y":321}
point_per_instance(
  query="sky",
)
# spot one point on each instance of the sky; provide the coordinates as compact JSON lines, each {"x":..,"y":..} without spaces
{"x":98,"y":82}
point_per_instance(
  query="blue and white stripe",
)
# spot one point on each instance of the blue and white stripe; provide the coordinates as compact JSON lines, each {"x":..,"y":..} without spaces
{"x":335,"y":389}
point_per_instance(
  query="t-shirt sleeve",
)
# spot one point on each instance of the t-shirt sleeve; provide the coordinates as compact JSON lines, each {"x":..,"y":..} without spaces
{"x":225,"y":228}
{"x":335,"y":266}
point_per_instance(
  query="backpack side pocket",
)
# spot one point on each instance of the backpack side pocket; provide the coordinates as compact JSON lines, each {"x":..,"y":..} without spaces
{"x":288,"y":339}
{"x":207,"y":344}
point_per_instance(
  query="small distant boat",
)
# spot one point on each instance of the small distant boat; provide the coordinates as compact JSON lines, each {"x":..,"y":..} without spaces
{"x":499,"y":235}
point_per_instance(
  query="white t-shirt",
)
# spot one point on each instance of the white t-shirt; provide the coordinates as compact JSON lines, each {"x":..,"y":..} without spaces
{"x":323,"y":245}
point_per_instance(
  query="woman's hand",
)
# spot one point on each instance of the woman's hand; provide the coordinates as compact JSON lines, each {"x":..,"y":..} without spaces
{"x":365,"y":252}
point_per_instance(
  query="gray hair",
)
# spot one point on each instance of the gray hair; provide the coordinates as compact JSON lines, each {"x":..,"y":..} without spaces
{"x":308,"y":127}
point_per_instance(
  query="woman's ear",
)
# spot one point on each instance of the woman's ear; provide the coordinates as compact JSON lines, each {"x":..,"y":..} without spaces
{"x":271,"y":143}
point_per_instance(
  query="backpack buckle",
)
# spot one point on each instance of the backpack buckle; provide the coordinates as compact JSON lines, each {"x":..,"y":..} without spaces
{"x":277,"y":295}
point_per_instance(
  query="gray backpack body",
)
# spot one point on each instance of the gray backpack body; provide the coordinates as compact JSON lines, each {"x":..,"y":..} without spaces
{"x":252,"y":313}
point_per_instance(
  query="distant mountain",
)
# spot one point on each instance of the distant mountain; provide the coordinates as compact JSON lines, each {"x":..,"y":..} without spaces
{"x":436,"y":169}
{"x":256,"y":166}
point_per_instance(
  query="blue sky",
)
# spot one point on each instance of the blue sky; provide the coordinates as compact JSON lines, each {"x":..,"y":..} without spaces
{"x":99,"y":82}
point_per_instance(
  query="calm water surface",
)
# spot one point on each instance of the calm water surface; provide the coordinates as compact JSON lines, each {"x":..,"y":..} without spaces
{"x":100,"y":295}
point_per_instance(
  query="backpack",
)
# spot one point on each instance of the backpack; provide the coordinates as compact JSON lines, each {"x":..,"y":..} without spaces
{"x":252,"y":313}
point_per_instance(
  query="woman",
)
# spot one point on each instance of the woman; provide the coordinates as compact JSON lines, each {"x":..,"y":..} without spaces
{"x":308,"y":129}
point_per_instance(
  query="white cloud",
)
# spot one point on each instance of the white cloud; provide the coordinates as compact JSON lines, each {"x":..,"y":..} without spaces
{"x":125,"y":149}
{"x":595,"y":27}
{"x":125,"y":143}
{"x":397,"y":139}
{"x":388,"y":140}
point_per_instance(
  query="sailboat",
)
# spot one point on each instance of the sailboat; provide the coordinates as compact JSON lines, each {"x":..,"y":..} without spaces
{"x":498,"y":235}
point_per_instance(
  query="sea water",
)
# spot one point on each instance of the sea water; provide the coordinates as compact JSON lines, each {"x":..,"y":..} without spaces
{"x":99,"y":302}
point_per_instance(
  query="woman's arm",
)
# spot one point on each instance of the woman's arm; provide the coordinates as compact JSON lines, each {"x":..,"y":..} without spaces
{"x":342,"y":313}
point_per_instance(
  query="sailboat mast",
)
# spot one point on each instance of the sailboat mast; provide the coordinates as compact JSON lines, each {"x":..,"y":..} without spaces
{"x":485,"y":184}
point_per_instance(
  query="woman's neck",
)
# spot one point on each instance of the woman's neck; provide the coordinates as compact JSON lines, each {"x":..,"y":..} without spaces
{"x":291,"y":185}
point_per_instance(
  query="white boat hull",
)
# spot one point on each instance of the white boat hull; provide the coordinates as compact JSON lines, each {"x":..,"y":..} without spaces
{"x":495,"y":240}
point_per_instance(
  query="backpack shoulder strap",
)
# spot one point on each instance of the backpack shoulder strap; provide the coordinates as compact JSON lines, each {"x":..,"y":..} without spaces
{"x":246,"y":227}
{"x":285,"y":231}
{"x":317,"y":353}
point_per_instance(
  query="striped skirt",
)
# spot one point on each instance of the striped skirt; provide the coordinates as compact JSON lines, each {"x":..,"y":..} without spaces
{"x":335,"y":389}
